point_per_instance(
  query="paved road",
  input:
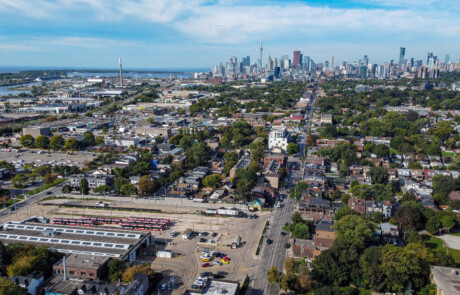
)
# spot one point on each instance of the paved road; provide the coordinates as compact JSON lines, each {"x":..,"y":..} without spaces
{"x":275,"y":254}
{"x":6,"y":213}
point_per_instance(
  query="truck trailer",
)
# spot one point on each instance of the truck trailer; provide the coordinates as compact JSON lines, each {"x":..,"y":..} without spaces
{"x":187,"y":234}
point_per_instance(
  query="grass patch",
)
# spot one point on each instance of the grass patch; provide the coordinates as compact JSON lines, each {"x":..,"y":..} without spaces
{"x":393,"y":151}
{"x":261,"y":240}
{"x":73,"y":198}
{"x":436,"y":244}
{"x":45,"y":187}
{"x":444,"y":153}
{"x":455,"y":234}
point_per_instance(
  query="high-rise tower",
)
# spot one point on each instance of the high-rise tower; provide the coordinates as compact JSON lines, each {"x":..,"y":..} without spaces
{"x":261,"y":49}
{"x":296,"y":58}
{"x":402,"y":53}
{"x":121,"y":73}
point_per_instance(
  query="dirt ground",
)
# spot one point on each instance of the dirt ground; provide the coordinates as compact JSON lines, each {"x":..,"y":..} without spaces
{"x":186,"y":266}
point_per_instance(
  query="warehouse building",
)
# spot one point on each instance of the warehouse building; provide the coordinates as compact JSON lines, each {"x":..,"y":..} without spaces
{"x":123,"y":245}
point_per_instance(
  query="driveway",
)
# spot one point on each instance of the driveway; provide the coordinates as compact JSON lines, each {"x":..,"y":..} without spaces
{"x":451,"y":241}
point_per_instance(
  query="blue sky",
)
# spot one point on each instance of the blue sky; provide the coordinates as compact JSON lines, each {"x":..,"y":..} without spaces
{"x":202,"y":33}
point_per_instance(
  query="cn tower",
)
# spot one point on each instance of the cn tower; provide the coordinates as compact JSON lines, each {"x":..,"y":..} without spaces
{"x":260,"y":58}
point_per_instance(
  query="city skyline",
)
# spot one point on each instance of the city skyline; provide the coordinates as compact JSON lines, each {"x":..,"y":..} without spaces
{"x":190,"y":34}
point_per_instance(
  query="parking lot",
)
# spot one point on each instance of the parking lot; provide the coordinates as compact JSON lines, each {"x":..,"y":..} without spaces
{"x":37,"y":157}
{"x":186,"y":266}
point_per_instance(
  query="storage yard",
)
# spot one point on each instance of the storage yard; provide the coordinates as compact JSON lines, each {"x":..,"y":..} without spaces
{"x":176,"y":239}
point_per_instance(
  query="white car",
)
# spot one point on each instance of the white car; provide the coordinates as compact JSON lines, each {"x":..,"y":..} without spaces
{"x":217,"y":263}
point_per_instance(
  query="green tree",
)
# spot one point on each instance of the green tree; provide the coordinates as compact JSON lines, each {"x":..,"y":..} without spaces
{"x":246,"y":180}
{"x":373,"y":276}
{"x":89,"y":138}
{"x":355,"y":229}
{"x":301,"y":231}
{"x":99,"y":140}
{"x":196,"y":154}
{"x":292,"y":148}
{"x":28,"y":140}
{"x":21,"y":266}
{"x":102,"y":189}
{"x":56,"y":142}
{"x":273,"y":276}
{"x":447,"y":222}
{"x":381,"y":150}
{"x":129,"y":189}
{"x":445,"y":184}
{"x":66,"y":189}
{"x":379,"y":175}
{"x":7,"y":165}
{"x":8,"y":288}
{"x":213,"y":181}
{"x":338,"y":265}
{"x":402,"y":266}
{"x":71,"y":144}
{"x":42,"y":142}
{"x":414,"y":165}
{"x":19,"y":180}
{"x":118,"y":183}
{"x":344,"y":211}
{"x":409,"y":217}
{"x":84,"y":186}
{"x":231,"y":157}
{"x":139,"y":168}
{"x":116,"y":270}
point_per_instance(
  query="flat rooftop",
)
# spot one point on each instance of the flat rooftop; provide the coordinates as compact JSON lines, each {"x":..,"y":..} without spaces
{"x":83,"y":261}
{"x":78,"y":240}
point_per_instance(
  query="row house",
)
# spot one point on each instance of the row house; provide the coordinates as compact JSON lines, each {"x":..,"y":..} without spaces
{"x":316,"y":160}
{"x":357,"y":204}
{"x":385,"y":207}
{"x":314,"y":208}
{"x":280,"y":158}
{"x":93,"y":180}
{"x":315,"y":169}
{"x":329,"y":142}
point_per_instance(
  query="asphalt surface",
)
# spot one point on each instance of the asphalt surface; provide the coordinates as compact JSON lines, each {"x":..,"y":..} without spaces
{"x":275,"y":253}
{"x":6,"y":213}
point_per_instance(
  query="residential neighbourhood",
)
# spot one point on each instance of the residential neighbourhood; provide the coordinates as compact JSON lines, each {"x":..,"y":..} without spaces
{"x":302,"y":184}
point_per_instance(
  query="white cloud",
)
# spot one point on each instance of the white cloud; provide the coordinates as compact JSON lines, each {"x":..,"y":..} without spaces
{"x":233,"y":21}
{"x":240,"y":23}
{"x":16,"y":47}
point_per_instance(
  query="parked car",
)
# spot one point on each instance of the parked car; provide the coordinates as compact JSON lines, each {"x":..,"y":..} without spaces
{"x":206,"y":264}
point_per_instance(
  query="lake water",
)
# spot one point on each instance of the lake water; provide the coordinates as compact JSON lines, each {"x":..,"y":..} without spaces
{"x":4,"y":90}
{"x":183,"y":73}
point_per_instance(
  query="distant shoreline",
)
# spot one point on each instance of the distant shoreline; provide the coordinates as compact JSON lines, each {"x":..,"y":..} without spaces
{"x":7,"y":69}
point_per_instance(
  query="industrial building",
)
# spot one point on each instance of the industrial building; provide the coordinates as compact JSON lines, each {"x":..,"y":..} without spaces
{"x":118,"y":244}
{"x":83,"y":266}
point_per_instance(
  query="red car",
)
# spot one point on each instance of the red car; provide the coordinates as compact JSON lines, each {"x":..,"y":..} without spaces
{"x":205,"y":264}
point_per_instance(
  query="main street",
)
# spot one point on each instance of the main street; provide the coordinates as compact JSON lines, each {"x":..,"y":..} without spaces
{"x":274,"y":254}
{"x":7,"y":212}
